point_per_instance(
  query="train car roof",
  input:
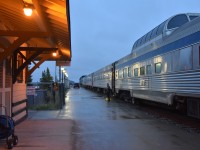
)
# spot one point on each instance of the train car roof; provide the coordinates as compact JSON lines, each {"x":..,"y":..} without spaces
{"x":172,"y":23}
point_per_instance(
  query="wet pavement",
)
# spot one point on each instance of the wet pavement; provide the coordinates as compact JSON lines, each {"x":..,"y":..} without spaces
{"x":88,"y":122}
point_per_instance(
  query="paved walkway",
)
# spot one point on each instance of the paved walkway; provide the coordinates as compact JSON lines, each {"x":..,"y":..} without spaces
{"x":43,"y":131}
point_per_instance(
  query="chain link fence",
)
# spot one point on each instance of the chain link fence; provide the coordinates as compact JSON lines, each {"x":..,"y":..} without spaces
{"x":46,"y":95}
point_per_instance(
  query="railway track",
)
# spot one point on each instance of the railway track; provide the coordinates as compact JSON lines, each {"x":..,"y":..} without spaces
{"x":172,"y":116}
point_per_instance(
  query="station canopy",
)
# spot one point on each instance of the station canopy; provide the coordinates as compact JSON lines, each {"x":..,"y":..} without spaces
{"x":44,"y":33}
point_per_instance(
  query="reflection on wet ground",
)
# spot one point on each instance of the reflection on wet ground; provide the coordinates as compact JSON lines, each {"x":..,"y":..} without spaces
{"x":89,"y":122}
{"x":102,"y":125}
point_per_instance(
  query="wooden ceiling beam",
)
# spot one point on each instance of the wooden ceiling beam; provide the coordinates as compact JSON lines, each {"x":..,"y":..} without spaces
{"x":29,"y":72}
{"x":30,"y":34}
{"x":10,"y":50}
{"x":37,"y":48}
{"x":25,"y":64}
{"x":41,"y":19}
{"x":58,"y":2}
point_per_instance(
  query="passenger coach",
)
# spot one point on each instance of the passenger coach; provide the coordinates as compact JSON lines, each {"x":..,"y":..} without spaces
{"x":163,"y":67}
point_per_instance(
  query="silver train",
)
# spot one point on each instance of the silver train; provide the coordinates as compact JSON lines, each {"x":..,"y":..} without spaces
{"x":163,"y":67}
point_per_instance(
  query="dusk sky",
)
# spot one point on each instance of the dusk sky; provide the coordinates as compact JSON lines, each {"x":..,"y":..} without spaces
{"x":103,"y":31}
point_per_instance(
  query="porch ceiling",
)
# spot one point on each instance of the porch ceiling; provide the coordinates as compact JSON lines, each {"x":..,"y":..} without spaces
{"x":48,"y":27}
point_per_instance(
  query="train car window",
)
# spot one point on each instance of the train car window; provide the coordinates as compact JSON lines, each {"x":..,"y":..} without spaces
{"x":139,"y":42}
{"x":154,"y":32}
{"x":177,"y":21}
{"x":160,"y":28}
{"x":186,"y":58}
{"x":193,"y":17}
{"x":158,"y":68}
{"x":148,"y":37}
{"x":125,"y":73}
{"x":105,"y":76}
{"x":142,"y":71}
{"x":199,"y":55}
{"x":148,"y":69}
{"x":136,"y":43}
{"x":136,"y":72}
{"x":129,"y":71}
{"x":175,"y":60}
{"x":120,"y":73}
{"x":143,"y":39}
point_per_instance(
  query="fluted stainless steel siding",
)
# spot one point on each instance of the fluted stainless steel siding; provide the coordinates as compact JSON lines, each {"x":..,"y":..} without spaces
{"x":178,"y":82}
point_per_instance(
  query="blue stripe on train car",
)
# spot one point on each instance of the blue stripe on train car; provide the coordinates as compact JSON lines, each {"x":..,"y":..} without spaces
{"x":183,"y":42}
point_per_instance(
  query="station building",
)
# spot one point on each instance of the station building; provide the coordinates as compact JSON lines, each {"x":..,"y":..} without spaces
{"x":43,"y":35}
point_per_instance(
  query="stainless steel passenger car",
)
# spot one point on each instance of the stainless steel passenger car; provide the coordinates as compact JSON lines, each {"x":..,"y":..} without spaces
{"x":164,"y":66}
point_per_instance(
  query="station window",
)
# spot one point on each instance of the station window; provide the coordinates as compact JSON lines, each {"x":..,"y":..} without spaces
{"x":142,"y":71}
{"x":148,"y":69}
{"x":158,"y":68}
{"x":129,"y":71}
{"x":136,"y":72}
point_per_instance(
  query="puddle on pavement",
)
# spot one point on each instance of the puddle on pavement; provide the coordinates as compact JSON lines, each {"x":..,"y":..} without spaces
{"x":92,"y":97}
{"x":129,"y":117}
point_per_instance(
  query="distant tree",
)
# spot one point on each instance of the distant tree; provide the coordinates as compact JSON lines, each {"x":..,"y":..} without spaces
{"x":30,"y":79}
{"x":46,"y":77}
{"x":43,"y":78}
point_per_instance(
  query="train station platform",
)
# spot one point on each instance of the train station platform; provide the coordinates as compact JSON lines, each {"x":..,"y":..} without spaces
{"x":88,"y":122}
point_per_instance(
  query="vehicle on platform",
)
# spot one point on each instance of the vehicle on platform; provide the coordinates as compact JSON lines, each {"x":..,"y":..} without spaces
{"x":76,"y":85}
{"x":163,"y":67}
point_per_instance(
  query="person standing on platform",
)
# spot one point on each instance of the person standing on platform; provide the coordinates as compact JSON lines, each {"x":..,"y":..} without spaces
{"x":108,"y":92}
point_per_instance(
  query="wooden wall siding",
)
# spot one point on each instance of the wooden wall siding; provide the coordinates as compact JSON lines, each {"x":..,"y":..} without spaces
{"x":8,"y":81}
{"x":19,"y":92}
{"x":8,"y":102}
{"x":0,"y":103}
{"x":1,"y":75}
{"x":8,"y":78}
{"x":19,"y":101}
{"x":19,"y":111}
{"x":0,"y":97}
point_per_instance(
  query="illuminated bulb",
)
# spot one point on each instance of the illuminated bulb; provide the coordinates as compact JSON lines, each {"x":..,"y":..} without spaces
{"x":54,"y":54}
{"x":28,"y":11}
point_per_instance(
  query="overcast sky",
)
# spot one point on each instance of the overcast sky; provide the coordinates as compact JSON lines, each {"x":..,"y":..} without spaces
{"x":103,"y":31}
